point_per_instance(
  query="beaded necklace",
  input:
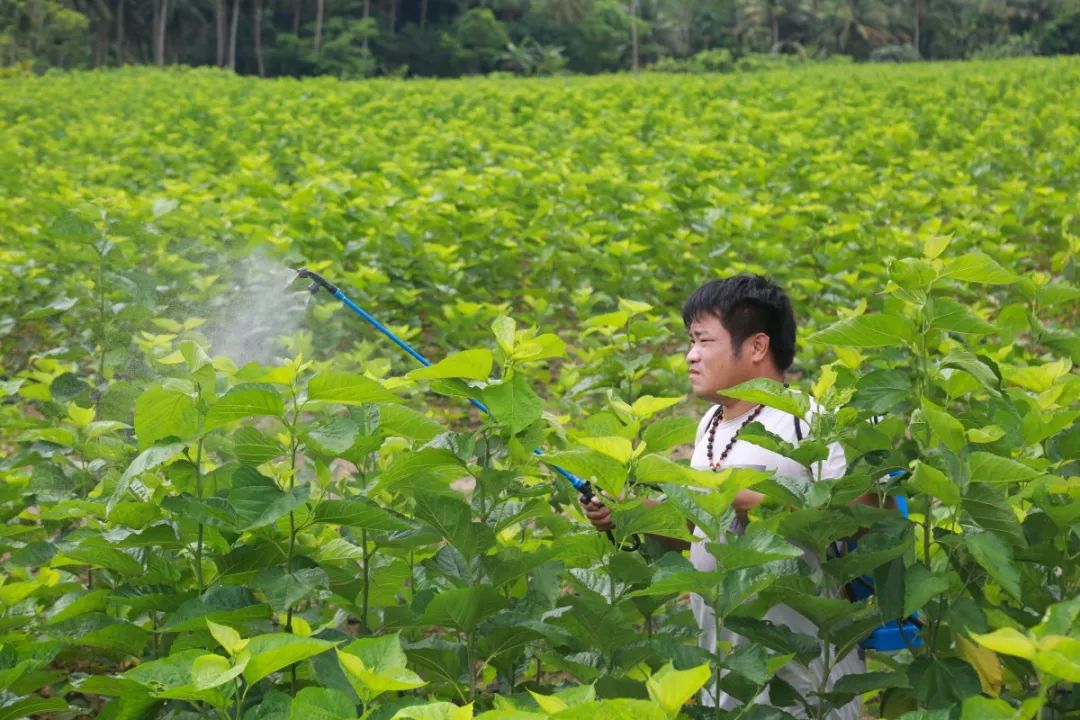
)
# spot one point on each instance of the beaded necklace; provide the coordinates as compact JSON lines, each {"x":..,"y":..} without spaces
{"x":714,"y":423}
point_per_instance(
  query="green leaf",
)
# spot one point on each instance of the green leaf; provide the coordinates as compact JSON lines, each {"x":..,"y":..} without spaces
{"x":513,"y":403}
{"x":976,"y":366}
{"x":171,"y":671}
{"x":333,"y":438}
{"x":257,"y":501}
{"x":751,"y":662}
{"x":751,"y":549}
{"x":989,"y":468}
{"x":977,"y":267}
{"x":254,"y":448}
{"x":504,"y":328}
{"x":866,"y":682}
{"x":658,"y":469}
{"x":867,"y":331}
{"x":244,"y":401}
{"x":452,"y":518}
{"x":988,"y":434}
{"x":1007,"y":641}
{"x":358,"y":514}
{"x":671,"y":689}
{"x":541,"y":347}
{"x":772,"y":394}
{"x":1059,"y":656}
{"x":227,"y":637}
{"x":314,"y":703}
{"x":66,"y":388}
{"x":952,"y":316}
{"x":617,"y":448}
{"x":646,"y":406}
{"x":61,"y":304}
{"x":663,"y":519}
{"x":616,"y":709}
{"x":96,"y":552}
{"x":115,"y":636}
{"x":149,"y":459}
{"x":274,"y":651}
{"x":10,"y":387}
{"x":702,"y":583}
{"x":946,"y":429}
{"x":213,"y":512}
{"x":931,"y":481}
{"x":210,"y":671}
{"x":463,"y":608}
{"x":669,"y":432}
{"x":887,"y":539}
{"x":984,"y":708}
{"x":161,"y":413}
{"x":285,"y":588}
{"x":338,"y":550}
{"x":345,"y":388}
{"x":881,"y":390}
{"x":593,"y":467}
{"x":224,"y":605}
{"x":76,"y":604}
{"x":940,"y":683}
{"x":50,"y":482}
{"x":920,"y":586}
{"x":995,"y":556}
{"x":469,"y":365}
{"x":609,"y":321}
{"x":428,"y":468}
{"x":740,"y":585}
{"x":1055,"y":293}
{"x":403,"y":421}
{"x":33,"y":706}
{"x":934,"y":245}
{"x":989,"y":507}
{"x":1058,"y":619}
{"x":570,"y":697}
{"x":436,"y":711}
{"x":375,"y":665}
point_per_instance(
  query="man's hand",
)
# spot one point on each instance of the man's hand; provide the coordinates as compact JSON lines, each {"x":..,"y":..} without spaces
{"x":598,"y":513}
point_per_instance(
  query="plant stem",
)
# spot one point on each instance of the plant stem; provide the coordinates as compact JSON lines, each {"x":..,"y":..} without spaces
{"x":101,"y":324}
{"x":199,"y":541}
{"x":826,"y":671}
{"x":366,"y":587}
{"x":718,"y":626}
{"x":294,"y":446}
{"x":469,"y":650}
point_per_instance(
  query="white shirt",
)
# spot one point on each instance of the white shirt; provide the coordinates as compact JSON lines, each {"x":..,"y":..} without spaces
{"x":743,"y":454}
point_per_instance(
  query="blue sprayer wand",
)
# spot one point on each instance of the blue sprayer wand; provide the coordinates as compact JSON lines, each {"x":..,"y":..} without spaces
{"x":318,"y":281}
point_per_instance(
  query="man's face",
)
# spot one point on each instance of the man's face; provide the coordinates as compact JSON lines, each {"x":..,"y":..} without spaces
{"x":713,"y":361}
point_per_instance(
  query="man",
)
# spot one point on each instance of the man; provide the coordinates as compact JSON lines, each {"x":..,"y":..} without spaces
{"x":743,"y":328}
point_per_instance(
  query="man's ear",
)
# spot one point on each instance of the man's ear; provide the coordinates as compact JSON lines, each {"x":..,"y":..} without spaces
{"x":759,"y":347}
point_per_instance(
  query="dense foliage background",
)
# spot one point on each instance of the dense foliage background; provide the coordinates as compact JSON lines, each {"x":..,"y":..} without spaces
{"x":223,"y":497}
{"x":351,"y":38}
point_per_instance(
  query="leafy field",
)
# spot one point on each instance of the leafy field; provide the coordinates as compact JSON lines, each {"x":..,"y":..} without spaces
{"x":226,"y":498}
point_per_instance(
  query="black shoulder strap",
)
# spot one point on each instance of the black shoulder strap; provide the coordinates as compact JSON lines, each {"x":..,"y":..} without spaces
{"x":798,"y":428}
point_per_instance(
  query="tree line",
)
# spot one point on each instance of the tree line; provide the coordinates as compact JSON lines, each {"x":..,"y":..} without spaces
{"x":356,"y":38}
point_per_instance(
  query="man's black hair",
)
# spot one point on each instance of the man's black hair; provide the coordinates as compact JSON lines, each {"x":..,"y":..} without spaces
{"x":746,"y":305}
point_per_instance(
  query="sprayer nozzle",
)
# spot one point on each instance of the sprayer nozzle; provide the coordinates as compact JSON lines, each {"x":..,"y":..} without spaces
{"x":318,"y":281}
